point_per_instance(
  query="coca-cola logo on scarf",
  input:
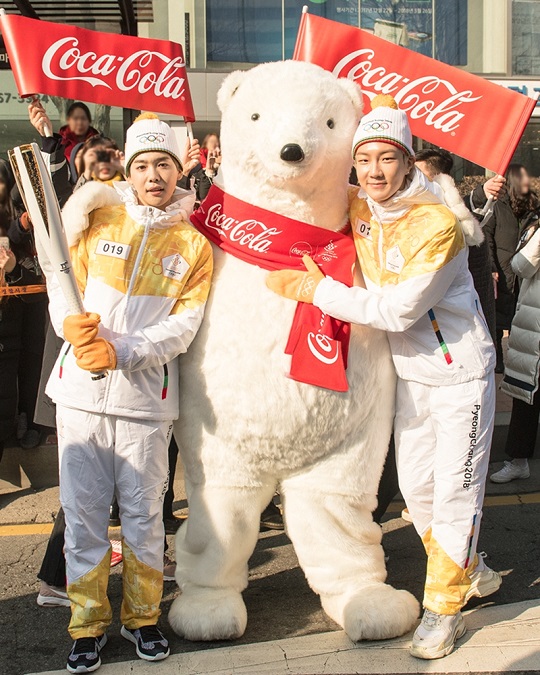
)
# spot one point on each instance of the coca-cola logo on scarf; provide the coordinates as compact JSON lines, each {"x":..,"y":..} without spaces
{"x":253,"y":234}
{"x":323,"y":348}
{"x":429,"y":97}
{"x":317,"y":343}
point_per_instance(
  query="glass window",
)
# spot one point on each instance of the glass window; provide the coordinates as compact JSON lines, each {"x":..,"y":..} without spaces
{"x":408,"y":23}
{"x":467,"y":33}
{"x":451,"y":31}
{"x":245,"y":31}
{"x":344,"y":11}
{"x":526,"y":37}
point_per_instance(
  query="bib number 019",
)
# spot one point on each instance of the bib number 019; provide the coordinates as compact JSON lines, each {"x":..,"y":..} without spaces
{"x":113,"y":249}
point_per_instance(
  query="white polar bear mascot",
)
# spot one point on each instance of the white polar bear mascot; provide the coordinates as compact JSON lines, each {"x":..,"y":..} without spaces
{"x":247,"y":422}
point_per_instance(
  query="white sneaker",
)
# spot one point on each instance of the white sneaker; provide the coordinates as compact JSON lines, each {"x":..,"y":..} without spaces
{"x":436,"y":636}
{"x":510,"y":471}
{"x":406,"y":515}
{"x":52,"y":596}
{"x":484,"y":581}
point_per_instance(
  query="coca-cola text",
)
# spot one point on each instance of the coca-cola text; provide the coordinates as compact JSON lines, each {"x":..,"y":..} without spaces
{"x":429,"y":97}
{"x":253,"y":234}
{"x":145,"y":71}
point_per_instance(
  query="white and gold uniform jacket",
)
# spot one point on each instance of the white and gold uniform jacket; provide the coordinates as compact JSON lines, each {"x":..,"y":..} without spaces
{"x":147,"y":273}
{"x":414,"y":260}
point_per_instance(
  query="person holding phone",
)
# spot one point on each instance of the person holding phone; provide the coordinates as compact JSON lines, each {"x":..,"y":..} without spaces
{"x":100,"y":160}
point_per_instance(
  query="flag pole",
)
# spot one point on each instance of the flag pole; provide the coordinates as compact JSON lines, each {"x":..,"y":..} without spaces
{"x":305,"y":9}
{"x":190,"y":133}
{"x":488,"y":208}
{"x":46,"y":131}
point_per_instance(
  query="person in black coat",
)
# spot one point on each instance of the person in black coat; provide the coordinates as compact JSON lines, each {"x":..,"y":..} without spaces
{"x":434,"y":161}
{"x":502,"y":229}
{"x":22,"y":319}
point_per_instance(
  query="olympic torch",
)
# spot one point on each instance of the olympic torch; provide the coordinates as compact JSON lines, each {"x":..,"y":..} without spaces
{"x":37,"y":191}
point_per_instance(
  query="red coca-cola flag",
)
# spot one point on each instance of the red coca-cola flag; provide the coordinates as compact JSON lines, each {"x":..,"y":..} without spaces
{"x":463,"y":113}
{"x":63,"y":60}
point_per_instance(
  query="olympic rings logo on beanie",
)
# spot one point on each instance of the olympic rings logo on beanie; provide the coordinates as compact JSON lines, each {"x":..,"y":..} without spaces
{"x":385,"y":123}
{"x":151,"y":138}
{"x":149,"y":134}
{"x":377,"y":125}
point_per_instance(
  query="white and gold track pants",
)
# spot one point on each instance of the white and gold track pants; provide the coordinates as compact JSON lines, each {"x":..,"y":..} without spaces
{"x":443,"y":439}
{"x":100,"y":456}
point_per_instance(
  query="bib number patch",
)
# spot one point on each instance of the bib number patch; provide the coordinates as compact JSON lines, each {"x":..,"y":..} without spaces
{"x":363,"y":228}
{"x":113,"y":249}
{"x":174,"y":267}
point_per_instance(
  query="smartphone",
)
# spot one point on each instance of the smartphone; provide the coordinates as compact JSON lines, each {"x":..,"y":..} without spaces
{"x":4,"y":242}
{"x":103,"y":155}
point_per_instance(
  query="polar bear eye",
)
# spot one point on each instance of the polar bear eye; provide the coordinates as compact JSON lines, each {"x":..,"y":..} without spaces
{"x":255,"y":117}
{"x":330,"y":123}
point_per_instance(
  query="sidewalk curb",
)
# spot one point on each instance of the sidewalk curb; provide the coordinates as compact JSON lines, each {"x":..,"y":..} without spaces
{"x":500,"y":639}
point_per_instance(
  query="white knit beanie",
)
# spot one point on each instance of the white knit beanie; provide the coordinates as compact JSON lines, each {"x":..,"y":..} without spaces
{"x":149,"y":134}
{"x":385,"y":123}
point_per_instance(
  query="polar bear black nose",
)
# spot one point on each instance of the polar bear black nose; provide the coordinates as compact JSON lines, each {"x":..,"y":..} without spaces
{"x":292,"y":153}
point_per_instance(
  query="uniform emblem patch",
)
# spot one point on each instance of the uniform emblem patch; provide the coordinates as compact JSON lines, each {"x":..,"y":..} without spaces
{"x":174,"y":267}
{"x":395,"y":262}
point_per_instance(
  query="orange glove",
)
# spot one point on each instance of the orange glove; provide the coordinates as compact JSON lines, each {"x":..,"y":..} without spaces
{"x":97,"y":356}
{"x":295,"y":284}
{"x":81,"y":329}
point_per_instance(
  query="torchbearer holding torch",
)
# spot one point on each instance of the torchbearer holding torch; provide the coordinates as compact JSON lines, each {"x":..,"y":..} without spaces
{"x":144,"y":275}
{"x":35,"y":185}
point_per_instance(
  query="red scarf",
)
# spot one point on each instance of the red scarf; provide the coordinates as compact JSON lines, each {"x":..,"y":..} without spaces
{"x":318,"y":343}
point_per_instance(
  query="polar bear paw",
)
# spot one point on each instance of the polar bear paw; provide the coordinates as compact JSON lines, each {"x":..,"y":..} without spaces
{"x":208,"y":614}
{"x":378,"y":612}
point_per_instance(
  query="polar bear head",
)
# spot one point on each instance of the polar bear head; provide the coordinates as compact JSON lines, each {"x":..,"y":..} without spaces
{"x":287,"y":125}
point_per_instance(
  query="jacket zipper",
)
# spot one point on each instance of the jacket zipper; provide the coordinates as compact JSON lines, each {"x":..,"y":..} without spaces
{"x":380,"y":242}
{"x":140,"y":253}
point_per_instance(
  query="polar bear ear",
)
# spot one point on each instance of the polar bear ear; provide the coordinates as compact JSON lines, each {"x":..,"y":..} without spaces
{"x":355,"y":94}
{"x":228,"y":88}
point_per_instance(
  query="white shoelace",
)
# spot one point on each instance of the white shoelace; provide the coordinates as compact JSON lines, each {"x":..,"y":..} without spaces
{"x":431,"y":619}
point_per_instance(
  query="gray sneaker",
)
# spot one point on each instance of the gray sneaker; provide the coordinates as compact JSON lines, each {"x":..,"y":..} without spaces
{"x":150,"y":643}
{"x":509,"y":472}
{"x":84,"y":655}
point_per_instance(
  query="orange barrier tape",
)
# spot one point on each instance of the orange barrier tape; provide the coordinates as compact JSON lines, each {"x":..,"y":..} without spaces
{"x":22,"y":290}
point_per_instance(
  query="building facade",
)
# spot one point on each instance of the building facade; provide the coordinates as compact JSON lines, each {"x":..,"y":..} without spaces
{"x":497,"y":39}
